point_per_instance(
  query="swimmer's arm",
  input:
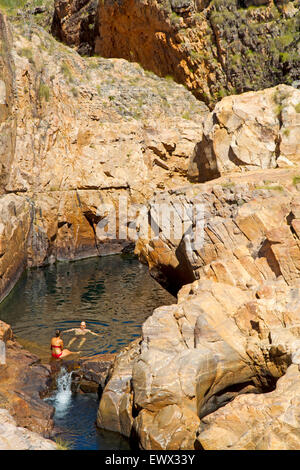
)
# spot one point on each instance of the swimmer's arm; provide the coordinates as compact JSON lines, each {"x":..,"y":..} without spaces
{"x":71,"y":329}
{"x":92,"y":333}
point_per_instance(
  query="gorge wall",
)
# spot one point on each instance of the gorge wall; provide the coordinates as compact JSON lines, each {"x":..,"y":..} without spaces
{"x":214,"y":47}
{"x":204,"y":373}
{"x":233,"y":332}
{"x":77,"y":134}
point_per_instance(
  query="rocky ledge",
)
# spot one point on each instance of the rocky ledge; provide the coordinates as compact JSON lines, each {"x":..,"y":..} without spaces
{"x":13,"y":437}
{"x":91,"y":374}
{"x":24,"y":416}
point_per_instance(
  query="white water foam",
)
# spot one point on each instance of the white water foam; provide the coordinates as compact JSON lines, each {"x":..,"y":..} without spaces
{"x":62,"y":398}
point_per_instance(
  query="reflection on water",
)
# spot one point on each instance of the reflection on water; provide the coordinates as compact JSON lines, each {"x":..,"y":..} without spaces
{"x":113,"y":294}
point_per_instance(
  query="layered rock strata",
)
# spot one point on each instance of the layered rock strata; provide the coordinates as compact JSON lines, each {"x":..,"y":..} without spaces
{"x":248,"y":232}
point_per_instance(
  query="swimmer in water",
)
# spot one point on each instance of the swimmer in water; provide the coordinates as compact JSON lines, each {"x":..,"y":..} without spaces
{"x":80,"y":332}
{"x":57,"y":347}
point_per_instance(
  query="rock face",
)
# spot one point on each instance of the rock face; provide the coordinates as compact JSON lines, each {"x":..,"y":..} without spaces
{"x":234,"y":330}
{"x":17,"y":438}
{"x":257,"y":422}
{"x":253,"y":130}
{"x":78,"y":134}
{"x":196,"y":356}
{"x":248,"y":232}
{"x":23,"y":382}
{"x":74,"y":24}
{"x":93,"y":373}
{"x":215,"y":47}
{"x":15,"y":219}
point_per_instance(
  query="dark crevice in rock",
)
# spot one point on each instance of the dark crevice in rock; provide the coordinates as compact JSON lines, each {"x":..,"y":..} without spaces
{"x":289,"y":220}
{"x":234,"y":159}
{"x":224,"y":396}
{"x":265,"y":251}
{"x":203,"y":165}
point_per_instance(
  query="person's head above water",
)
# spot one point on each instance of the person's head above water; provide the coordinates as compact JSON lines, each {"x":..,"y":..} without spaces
{"x":83,"y":325}
{"x":57,"y":333}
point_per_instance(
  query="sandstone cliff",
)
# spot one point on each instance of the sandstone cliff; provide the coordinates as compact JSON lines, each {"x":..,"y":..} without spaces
{"x":77,"y":134}
{"x":214,"y":47}
{"x":234,"y":330}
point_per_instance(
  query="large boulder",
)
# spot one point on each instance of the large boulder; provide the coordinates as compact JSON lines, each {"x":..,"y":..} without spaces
{"x":257,"y":422}
{"x":24,"y":381}
{"x":247,"y":132}
{"x":13,"y":437}
{"x":196,"y":356}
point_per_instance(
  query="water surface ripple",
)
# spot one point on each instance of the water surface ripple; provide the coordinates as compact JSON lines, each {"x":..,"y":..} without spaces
{"x":113,"y":294}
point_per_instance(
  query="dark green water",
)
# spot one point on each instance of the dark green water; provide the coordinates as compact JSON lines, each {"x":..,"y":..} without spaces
{"x":114,"y":295}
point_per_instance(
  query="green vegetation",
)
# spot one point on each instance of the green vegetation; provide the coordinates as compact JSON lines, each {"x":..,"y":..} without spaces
{"x":253,"y":58}
{"x":249,"y":52}
{"x":93,"y":64}
{"x":278,"y":109}
{"x":285,"y":40}
{"x":284,"y":57}
{"x":276,"y":187}
{"x":186,"y":115}
{"x":62,"y":444}
{"x":229,"y":184}
{"x":74,"y":91}
{"x":222,"y":92}
{"x":26,"y":52}
{"x":296,"y":180}
{"x":196,"y":55}
{"x":10,"y":7}
{"x":175,"y":19}
{"x":44,"y":91}
{"x":65,"y":69}
{"x":297,"y":108}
